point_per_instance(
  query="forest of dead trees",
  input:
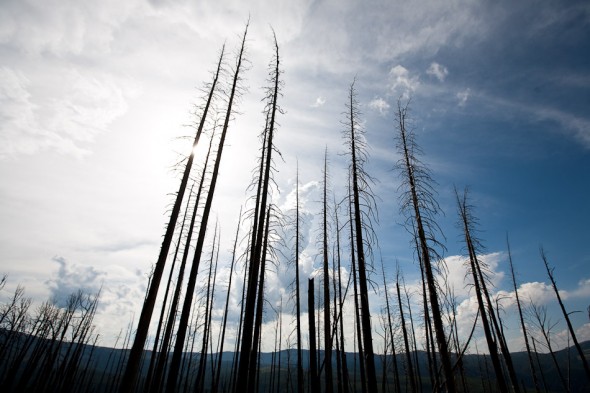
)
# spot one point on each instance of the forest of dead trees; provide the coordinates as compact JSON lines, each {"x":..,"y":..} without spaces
{"x":336,"y":342}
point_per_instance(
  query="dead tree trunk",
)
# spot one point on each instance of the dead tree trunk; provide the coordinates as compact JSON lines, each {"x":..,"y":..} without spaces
{"x":326,"y":271}
{"x":313,"y":362}
{"x":183,"y":323}
{"x":162,"y":318}
{"x":344,"y":365}
{"x":155,"y":383}
{"x":566,"y":315}
{"x":360,"y":179}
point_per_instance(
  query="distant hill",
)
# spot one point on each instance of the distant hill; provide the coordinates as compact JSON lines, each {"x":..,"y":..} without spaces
{"x":101,"y":370}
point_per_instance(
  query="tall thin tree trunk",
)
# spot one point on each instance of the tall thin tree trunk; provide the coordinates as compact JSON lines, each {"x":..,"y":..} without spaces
{"x":182,"y":325}
{"x":467,"y":223}
{"x":367,"y":335}
{"x":414,"y":341}
{"x":247,"y":343}
{"x":345,"y":375}
{"x":254,"y":371}
{"x":313,"y":362}
{"x":326,"y":271}
{"x":297,"y":292}
{"x":522,"y":324}
{"x":409,"y":364}
{"x":357,"y":316}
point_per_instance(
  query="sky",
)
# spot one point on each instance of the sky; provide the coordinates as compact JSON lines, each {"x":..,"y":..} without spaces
{"x":97,"y":99}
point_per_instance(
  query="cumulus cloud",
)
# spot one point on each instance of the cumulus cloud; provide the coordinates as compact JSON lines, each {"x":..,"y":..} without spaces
{"x":539,"y":292}
{"x":463,"y":96}
{"x":380,"y":105}
{"x":459,"y":276}
{"x":439,"y":71}
{"x":70,"y":278}
{"x":402,"y":82}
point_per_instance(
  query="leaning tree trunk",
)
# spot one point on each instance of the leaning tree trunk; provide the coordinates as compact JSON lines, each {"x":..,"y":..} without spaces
{"x":416,"y":179}
{"x":133,"y":362}
{"x":390,"y":329}
{"x":566,"y":316}
{"x":155,"y":383}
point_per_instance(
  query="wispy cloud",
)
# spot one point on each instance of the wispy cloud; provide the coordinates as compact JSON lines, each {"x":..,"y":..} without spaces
{"x":79,"y":108}
{"x":463,"y":96}
{"x":64,"y":28}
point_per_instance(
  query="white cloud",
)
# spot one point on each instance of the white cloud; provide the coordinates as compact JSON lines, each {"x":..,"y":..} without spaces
{"x":320,"y":101}
{"x":439,"y":71}
{"x":402,"y":82}
{"x":463,"y":96}
{"x":380,"y":105}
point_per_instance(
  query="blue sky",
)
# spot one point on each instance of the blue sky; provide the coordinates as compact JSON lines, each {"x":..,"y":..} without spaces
{"x":94,"y":95}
